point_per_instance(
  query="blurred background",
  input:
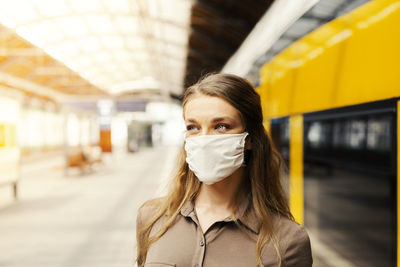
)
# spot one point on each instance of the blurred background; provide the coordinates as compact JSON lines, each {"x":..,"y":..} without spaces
{"x":91,"y":123}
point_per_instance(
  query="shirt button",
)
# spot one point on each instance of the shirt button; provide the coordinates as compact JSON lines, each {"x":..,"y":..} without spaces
{"x":202,"y":243}
{"x":197,"y":265}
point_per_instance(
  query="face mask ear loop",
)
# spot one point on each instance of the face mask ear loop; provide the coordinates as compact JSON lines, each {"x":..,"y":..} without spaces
{"x":244,"y":149}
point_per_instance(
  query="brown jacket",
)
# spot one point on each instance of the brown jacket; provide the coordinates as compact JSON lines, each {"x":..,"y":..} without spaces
{"x":224,"y":243}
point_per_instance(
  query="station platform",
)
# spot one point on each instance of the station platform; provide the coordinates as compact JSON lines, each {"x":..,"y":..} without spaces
{"x":80,"y":220}
{"x":89,"y":219}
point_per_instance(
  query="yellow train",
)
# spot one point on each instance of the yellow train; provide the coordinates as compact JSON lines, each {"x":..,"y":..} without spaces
{"x":331,"y":101}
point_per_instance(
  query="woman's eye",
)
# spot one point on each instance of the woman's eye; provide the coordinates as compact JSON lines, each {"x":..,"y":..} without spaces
{"x":191,"y":128}
{"x":222,"y":127}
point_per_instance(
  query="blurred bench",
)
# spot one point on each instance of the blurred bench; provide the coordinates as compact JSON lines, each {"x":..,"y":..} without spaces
{"x":84,"y":158}
{"x":93,"y":154}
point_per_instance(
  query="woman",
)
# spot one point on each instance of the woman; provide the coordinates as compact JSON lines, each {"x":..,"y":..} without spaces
{"x":226,"y":205}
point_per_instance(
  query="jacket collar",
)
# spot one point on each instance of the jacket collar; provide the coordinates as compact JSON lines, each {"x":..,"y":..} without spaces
{"x":244,"y":213}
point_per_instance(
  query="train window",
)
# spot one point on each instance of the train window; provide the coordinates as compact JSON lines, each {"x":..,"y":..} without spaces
{"x":379,"y":129}
{"x":363,"y":142}
{"x":350,"y":185}
{"x":280,"y":136}
{"x":355,"y":133}
{"x":318,"y":135}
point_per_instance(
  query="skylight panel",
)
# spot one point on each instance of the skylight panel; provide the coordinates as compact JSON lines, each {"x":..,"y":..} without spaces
{"x":12,"y":14}
{"x":142,"y":57}
{"x":86,"y":6}
{"x":123,"y":55}
{"x":47,"y":32}
{"x":118,"y":6}
{"x":105,"y":37}
{"x":135,"y":43}
{"x":113,"y":42}
{"x":174,"y":11}
{"x":153,"y":8}
{"x":29,"y":33}
{"x":171,"y":50}
{"x":102,"y":57}
{"x":167,"y":30}
{"x":51,"y":8}
{"x":131,"y":66}
{"x":89,"y":44}
{"x":81,"y":63}
{"x":100,"y":24}
{"x":72,"y":26}
{"x":127,"y":25}
{"x":64,"y":50}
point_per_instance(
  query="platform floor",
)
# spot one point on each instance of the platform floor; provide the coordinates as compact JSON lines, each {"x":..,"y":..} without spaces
{"x":79,"y":220}
{"x":89,"y":220}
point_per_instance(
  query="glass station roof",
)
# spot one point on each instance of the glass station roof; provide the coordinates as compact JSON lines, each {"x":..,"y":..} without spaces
{"x":117,"y":45}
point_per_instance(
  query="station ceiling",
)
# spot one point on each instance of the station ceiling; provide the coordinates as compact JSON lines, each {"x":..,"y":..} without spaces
{"x":218,"y":28}
{"x":28,"y":68}
{"x":111,"y":47}
{"x":114,"y":45}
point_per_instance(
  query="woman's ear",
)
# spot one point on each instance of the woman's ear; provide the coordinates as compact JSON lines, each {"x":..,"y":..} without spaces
{"x":247,"y":144}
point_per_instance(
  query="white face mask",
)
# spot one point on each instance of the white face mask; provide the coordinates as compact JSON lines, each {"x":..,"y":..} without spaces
{"x":214,"y":157}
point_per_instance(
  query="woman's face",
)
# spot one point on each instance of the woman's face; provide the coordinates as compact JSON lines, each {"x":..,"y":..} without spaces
{"x":211,"y":115}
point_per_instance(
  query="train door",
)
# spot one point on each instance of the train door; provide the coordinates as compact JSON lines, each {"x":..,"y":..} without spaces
{"x":350,"y":174}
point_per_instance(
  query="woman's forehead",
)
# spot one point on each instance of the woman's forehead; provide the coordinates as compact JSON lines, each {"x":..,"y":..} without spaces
{"x":209,"y":106}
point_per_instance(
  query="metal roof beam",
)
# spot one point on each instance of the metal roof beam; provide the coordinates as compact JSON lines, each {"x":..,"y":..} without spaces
{"x":31,"y":87}
{"x":23,"y":52}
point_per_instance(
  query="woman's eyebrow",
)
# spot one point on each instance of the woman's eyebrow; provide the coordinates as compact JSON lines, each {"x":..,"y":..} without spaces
{"x":222,"y":119}
{"x":218,"y":119}
{"x":190,"y":120}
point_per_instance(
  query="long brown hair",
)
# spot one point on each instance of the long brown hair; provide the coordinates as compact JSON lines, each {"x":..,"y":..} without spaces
{"x":263,"y":171}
